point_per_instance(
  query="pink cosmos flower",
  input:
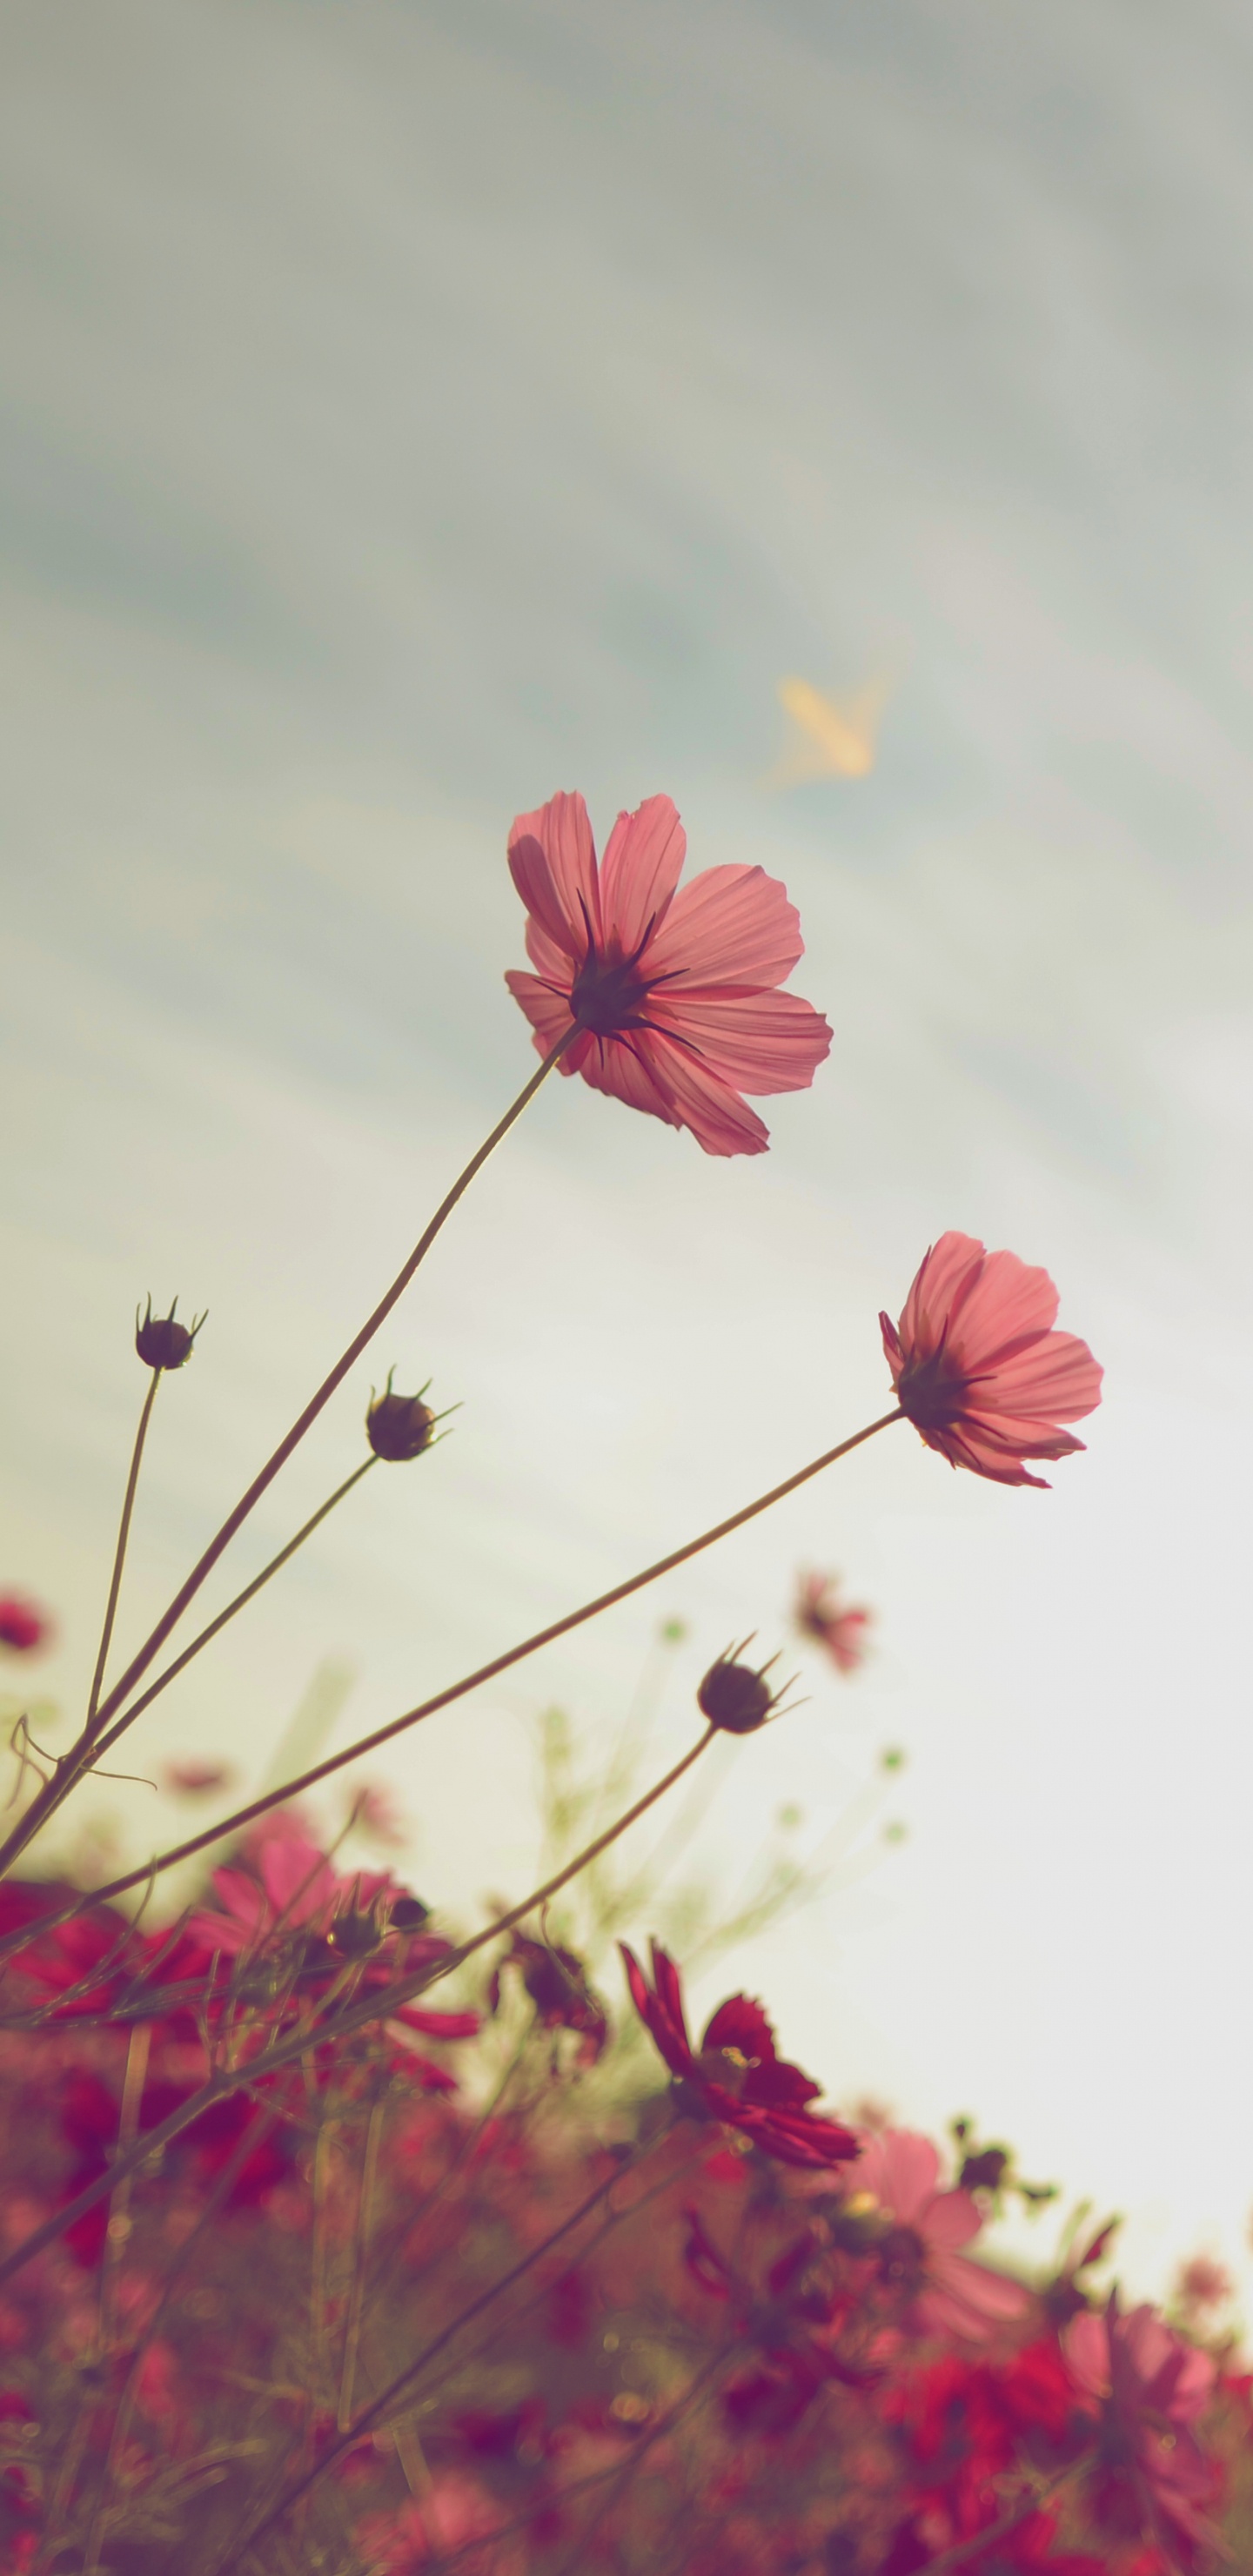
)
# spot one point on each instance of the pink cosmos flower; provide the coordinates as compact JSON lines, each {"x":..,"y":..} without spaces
{"x":834,"y":1625}
{"x":1148,"y":2387}
{"x":978,"y":1368}
{"x":674,"y":996}
{"x":739,"y":2075}
{"x":367,"y":1919}
{"x":23,"y":1625}
{"x":898,"y":2173}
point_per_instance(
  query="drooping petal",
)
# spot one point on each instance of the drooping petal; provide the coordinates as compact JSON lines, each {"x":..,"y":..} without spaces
{"x":1053,"y":1380}
{"x":969,"y":2298}
{"x":552,"y":860}
{"x":549,"y":1013}
{"x":620,"y":1067}
{"x":752,"y":1041}
{"x":717,"y":1117}
{"x":669,"y":1990}
{"x":639,"y":872}
{"x":731,"y":925}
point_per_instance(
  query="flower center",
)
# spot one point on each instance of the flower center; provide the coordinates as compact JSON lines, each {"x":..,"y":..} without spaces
{"x":727,"y":2067}
{"x":608,"y":994}
{"x":932,"y":1392}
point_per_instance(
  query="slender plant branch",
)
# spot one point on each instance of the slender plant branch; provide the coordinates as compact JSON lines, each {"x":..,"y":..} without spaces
{"x":233,"y":1608}
{"x":85,"y":1755}
{"x":472,"y":1681}
{"x":378,"y":2005}
{"x":381,"y":2405}
{"x":222,"y":2188}
{"x":47,"y":1801}
{"x":119,"y":1557}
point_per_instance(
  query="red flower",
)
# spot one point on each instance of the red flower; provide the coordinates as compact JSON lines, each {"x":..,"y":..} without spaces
{"x":839,"y":1629}
{"x":738,"y":2076}
{"x":23,"y":1625}
{"x":675,"y":996}
{"x":978,"y":1368}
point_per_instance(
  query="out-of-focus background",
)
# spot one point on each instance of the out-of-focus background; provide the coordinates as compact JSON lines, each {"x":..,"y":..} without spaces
{"x":409,"y":410}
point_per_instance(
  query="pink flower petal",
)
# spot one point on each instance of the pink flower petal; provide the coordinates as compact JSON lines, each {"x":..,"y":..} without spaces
{"x":731,"y":925}
{"x":640,"y":870}
{"x":717,"y":1117}
{"x":756,"y":1042}
{"x":552,"y":860}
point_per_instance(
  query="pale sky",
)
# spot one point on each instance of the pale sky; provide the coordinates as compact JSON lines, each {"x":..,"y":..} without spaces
{"x":410,"y":410}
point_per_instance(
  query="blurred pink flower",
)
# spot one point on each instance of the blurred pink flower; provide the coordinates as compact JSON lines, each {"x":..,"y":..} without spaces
{"x":1148,"y":2387}
{"x":977,"y":1366}
{"x":1203,"y":2283}
{"x":196,"y":1779}
{"x":376,"y":1811}
{"x":23,"y":1625}
{"x":454,"y":2513}
{"x":674,"y":994}
{"x":293,"y":1885}
{"x":899,"y":2172}
{"x":833,"y":1624}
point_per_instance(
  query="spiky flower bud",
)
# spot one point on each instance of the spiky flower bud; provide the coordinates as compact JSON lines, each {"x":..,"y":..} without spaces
{"x":734,"y":1697}
{"x":160,"y":1342}
{"x":399,"y":1426}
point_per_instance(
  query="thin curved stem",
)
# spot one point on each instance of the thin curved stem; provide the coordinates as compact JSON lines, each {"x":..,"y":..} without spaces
{"x":380,"y":2406}
{"x":348,"y":1358}
{"x":119,"y":1554}
{"x":485,"y":1673}
{"x":377,"y":2005}
{"x":233,"y":1608}
{"x":58,"y":1788}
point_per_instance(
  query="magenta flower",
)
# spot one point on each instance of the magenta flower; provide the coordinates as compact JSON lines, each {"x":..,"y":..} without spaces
{"x":1148,"y":2388}
{"x":978,"y":1368}
{"x":821,"y":1613}
{"x":291,"y":1895}
{"x":738,"y":2076}
{"x":674,"y":996}
{"x":23,"y":1626}
{"x":897,"y":2178}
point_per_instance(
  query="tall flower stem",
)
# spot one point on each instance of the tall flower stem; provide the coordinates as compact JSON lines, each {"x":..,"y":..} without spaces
{"x":381,"y":2002}
{"x":63,"y":1780}
{"x":234,"y":1607}
{"x":380,"y":2407}
{"x":83,"y":1756}
{"x":485,"y":1673}
{"x":376,"y":2412}
{"x":119,"y":1555}
{"x":347,"y":1359}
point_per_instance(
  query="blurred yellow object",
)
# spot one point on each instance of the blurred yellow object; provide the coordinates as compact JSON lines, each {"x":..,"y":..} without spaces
{"x":832,"y":737}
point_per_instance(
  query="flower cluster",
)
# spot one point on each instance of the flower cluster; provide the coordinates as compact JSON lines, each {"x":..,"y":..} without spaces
{"x":562,"y":2320}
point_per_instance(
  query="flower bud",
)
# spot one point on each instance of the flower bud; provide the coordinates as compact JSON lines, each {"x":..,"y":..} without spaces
{"x":160,"y":1342}
{"x":734,"y":1697}
{"x":399,"y":1426}
{"x":408,"y":1914}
